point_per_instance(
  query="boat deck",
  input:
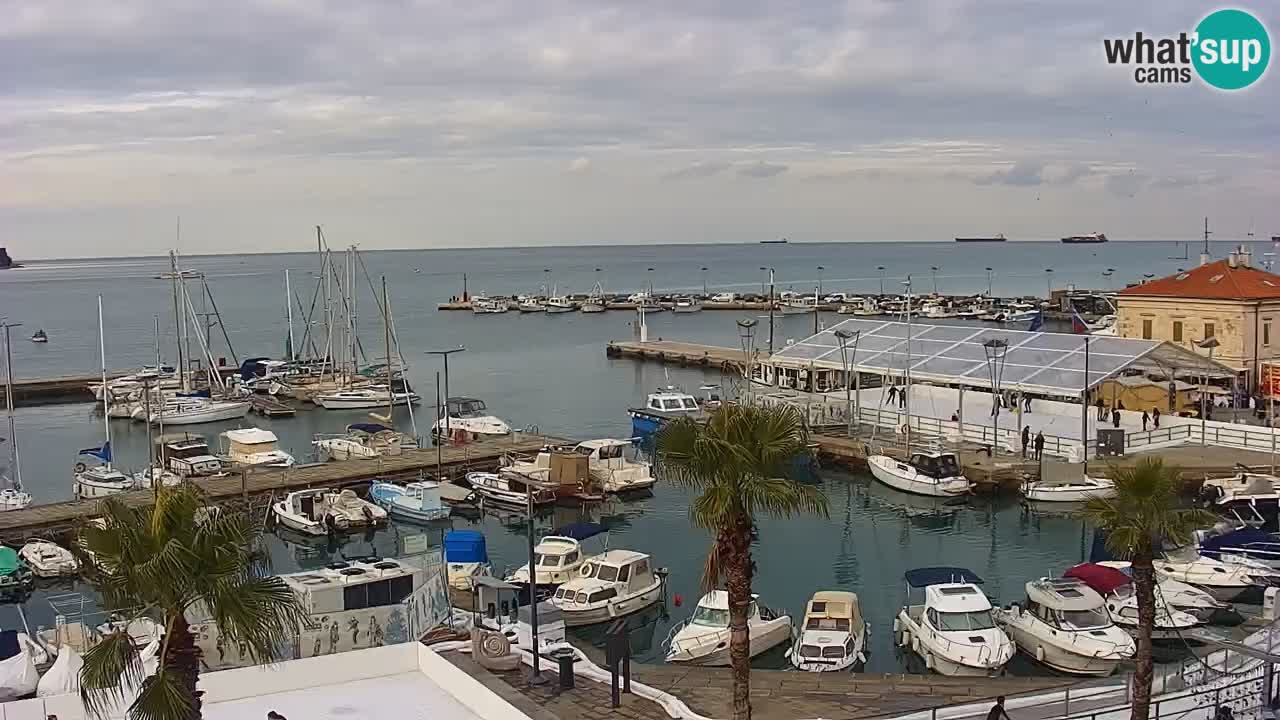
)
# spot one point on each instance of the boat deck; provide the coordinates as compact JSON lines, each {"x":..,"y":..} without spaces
{"x":270,"y":406}
{"x":673,"y":352}
{"x":49,"y":519}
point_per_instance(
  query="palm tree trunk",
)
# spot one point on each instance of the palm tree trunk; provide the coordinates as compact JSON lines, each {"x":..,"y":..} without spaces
{"x":183,"y":658}
{"x":1144,"y":586}
{"x":737,"y":543}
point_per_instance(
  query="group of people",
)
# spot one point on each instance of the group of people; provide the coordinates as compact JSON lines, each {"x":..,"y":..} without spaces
{"x":895,"y":394}
{"x":1036,"y":444}
{"x":1152,"y":418}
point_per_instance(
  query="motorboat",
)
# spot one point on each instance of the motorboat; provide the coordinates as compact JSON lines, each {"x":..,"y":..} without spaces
{"x":187,"y":455}
{"x":161,"y":377}
{"x":610,"y":585}
{"x":154,"y":477}
{"x":560,"y":304}
{"x":833,"y":636}
{"x":362,"y":440}
{"x":952,"y":629}
{"x":413,"y":502}
{"x":99,"y":481}
{"x":364,"y":398}
{"x":687,"y":305}
{"x":506,"y":487}
{"x":798,"y":305}
{"x":1224,"y":581}
{"x":323,"y":511}
{"x":40,"y":336}
{"x":530,"y":305}
{"x":48,"y":559}
{"x":934,"y":473}
{"x":197,"y":411}
{"x":703,"y":639}
{"x":1105,"y":326}
{"x":1243,"y":485}
{"x":1121,"y":600}
{"x":11,"y":498}
{"x":19,"y":657}
{"x":609,"y":466}
{"x":1065,"y":625}
{"x":15,"y":576}
{"x":469,"y":417}
{"x":595,"y":302}
{"x":1079,"y":490}
{"x":466,"y":557}
{"x":1244,"y":546}
{"x":255,"y":447}
{"x":660,"y":408}
{"x":488,"y":306}
{"x":558,"y":557}
{"x":1187,"y":598}
{"x":260,"y":374}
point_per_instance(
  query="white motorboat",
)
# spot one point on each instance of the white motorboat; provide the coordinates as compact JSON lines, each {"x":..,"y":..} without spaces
{"x":1118,"y":591}
{"x":11,"y":498}
{"x":1187,"y":598}
{"x":510,"y":488}
{"x":255,"y":447}
{"x":609,"y":466}
{"x":18,"y":675}
{"x":703,"y":639}
{"x":595,"y":302}
{"x":660,"y":408}
{"x":414,"y":502}
{"x":466,"y":558}
{"x":159,"y":377}
{"x":322,"y":511}
{"x":47,"y":559}
{"x":610,"y":585}
{"x":1244,"y":485}
{"x":530,"y":305}
{"x":1065,"y":625}
{"x":365,"y":398}
{"x":952,"y":630}
{"x":154,"y":477}
{"x":362,"y":440}
{"x":687,"y":305}
{"x":197,"y":411}
{"x":560,"y":304}
{"x":1224,"y":581}
{"x":187,"y":455}
{"x":488,"y":306}
{"x":1240,"y":546}
{"x":100,"y":480}
{"x":834,"y":633}
{"x":798,"y":305}
{"x":931,"y":473}
{"x":558,"y":557}
{"x":469,"y":417}
{"x":1068,"y":491}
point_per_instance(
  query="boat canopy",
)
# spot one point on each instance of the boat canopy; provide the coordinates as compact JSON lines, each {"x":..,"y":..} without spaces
{"x":370,"y":428}
{"x":1067,"y":593}
{"x":8,"y":560}
{"x":249,"y":368}
{"x":1242,"y":538}
{"x":581,"y":530}
{"x":1101,"y":578}
{"x":463,"y":546}
{"x":924,"y":577}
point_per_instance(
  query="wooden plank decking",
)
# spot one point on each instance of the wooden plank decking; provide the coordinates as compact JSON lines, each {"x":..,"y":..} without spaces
{"x":50,"y":518}
{"x":673,"y":352}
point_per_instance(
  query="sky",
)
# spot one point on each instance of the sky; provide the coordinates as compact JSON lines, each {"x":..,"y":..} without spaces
{"x":422,"y":123}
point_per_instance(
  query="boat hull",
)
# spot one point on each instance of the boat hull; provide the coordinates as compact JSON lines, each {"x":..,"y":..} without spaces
{"x":363,"y":403}
{"x":886,"y":470}
{"x":763,"y":637}
{"x":1066,"y":493}
{"x":593,"y":616}
{"x":1060,"y":658}
{"x":90,"y":488}
{"x":229,"y":411}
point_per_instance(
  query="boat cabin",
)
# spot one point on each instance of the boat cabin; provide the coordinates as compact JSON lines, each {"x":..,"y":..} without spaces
{"x":1066,"y":604}
{"x":342,"y":586}
{"x":672,"y":401}
{"x":936,"y":464}
{"x":247,"y":442}
{"x":464,"y":407}
{"x":832,"y":610}
{"x":608,"y":575}
{"x":187,"y":455}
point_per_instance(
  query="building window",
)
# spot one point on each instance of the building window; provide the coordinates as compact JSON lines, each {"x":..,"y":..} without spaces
{"x":1266,"y":333}
{"x":1208,"y":330}
{"x":1146,"y":329}
{"x":1177,"y":331}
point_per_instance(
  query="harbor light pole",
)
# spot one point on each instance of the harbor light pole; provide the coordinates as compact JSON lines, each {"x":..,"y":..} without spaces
{"x":1048,"y":283}
{"x":1209,"y":344}
{"x":535,"y":676}
{"x":704,"y":282}
{"x":1107,"y":274}
{"x":747,"y":334}
{"x":933,"y":271}
{"x":843,"y":336}
{"x":995,"y":349}
{"x":881,"y":269}
{"x":820,"y":269}
{"x":988,"y":282}
{"x":445,"y":407}
{"x":650,"y":271}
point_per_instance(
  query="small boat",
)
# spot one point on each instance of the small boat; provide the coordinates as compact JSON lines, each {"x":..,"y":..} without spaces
{"x":610,"y":585}
{"x":687,"y":305}
{"x":560,"y":304}
{"x":324,"y":512}
{"x":40,"y":336}
{"x":798,"y":305}
{"x":510,"y":488}
{"x":413,"y":502}
{"x":15,"y":576}
{"x":833,"y":636}
{"x":488,"y":306}
{"x":466,"y":557}
{"x":197,"y":411}
{"x":255,"y":447}
{"x":362,"y":440}
{"x":595,"y":301}
{"x":609,"y":466}
{"x":365,"y":398}
{"x":48,"y":559}
{"x":1244,"y":485}
{"x":18,"y":659}
{"x":932,"y":473}
{"x":187,"y":455}
{"x":1243,"y":546}
{"x":1066,"y":626}
{"x":1068,"y":491}
{"x":703,"y":639}
{"x":100,"y":480}
{"x":952,"y":630}
{"x":11,"y":498}
{"x":470,"y":417}
{"x":530,"y":305}
{"x":1096,"y":237}
{"x":1122,"y":602}
{"x":660,"y":408}
{"x":1224,"y":581}
{"x":558,"y":557}
{"x":1187,"y":598}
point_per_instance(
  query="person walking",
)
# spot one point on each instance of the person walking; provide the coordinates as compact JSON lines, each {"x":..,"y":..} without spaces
{"x":1101,"y":411}
{"x":1155,"y":417}
{"x":1039,"y":445}
{"x":1115,"y":417}
{"x":997,"y":711}
{"x":893,"y":394}
{"x":1145,"y":419}
{"x":902,"y":396}
{"x":1026,"y":440}
{"x":1026,"y":403}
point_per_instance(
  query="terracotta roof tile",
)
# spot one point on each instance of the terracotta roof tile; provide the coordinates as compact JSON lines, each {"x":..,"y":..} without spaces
{"x":1214,"y":281}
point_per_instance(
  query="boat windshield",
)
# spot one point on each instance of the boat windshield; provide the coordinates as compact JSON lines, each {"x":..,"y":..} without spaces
{"x":603,"y":572}
{"x":710,"y":617}
{"x":467,"y":408}
{"x":1082,"y":619}
{"x":977,"y":620}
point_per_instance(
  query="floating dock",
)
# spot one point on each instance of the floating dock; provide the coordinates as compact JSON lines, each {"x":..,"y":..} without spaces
{"x":684,"y":354}
{"x":50,"y":519}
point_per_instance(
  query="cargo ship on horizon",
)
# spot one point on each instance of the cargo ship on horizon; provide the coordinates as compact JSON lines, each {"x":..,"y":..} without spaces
{"x":996,"y":238}
{"x":1081,"y":239}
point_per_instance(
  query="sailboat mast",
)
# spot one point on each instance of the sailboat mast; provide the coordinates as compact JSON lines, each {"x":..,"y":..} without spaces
{"x":288,"y":303}
{"x":386,"y":325}
{"x":106,"y":394}
{"x":164,"y":462}
{"x":907,"y":387}
{"x":177,"y":323}
{"x":14,"y":458}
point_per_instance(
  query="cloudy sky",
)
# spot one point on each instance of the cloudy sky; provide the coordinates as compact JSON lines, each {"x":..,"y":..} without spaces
{"x":421,"y":123}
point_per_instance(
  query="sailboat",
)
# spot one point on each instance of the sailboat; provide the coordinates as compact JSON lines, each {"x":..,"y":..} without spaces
{"x":12,"y":497}
{"x":372,"y":396}
{"x":595,"y":301}
{"x":101,"y":480}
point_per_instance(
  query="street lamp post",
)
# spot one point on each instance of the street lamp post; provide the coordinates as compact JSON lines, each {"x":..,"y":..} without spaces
{"x":1048,"y":283}
{"x":704,"y":282}
{"x":843,"y":336}
{"x":445,"y":407}
{"x":1209,"y":344}
{"x":995,"y":349}
{"x":650,"y":271}
{"x":747,"y":334}
{"x":988,"y":282}
{"x":1107,"y":274}
{"x":820,"y":269}
{"x":764,"y":279}
{"x":881,"y":269}
{"x":933,"y":271}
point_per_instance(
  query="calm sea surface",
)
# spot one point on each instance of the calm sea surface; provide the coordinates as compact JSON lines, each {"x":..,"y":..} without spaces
{"x":550,"y":371}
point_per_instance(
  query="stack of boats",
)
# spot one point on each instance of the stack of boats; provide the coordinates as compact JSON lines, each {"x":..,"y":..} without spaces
{"x":612,"y":466}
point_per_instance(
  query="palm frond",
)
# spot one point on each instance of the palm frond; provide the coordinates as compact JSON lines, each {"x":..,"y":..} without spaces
{"x":256,"y":612}
{"x":712,"y":568}
{"x":163,"y":697}
{"x":110,"y":667}
{"x":1144,"y":510}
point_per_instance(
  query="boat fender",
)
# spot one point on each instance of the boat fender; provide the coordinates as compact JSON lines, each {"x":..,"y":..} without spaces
{"x":903,"y":430}
{"x":861,"y":657}
{"x":897,"y":625}
{"x":915,"y":645}
{"x":928,"y":661}
{"x":80,"y":467}
{"x":1040,"y":653}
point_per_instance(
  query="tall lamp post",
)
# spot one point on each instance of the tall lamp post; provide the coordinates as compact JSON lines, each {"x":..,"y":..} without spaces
{"x":881,"y":269}
{"x":1209,"y":344}
{"x":444,"y":408}
{"x":820,"y":269}
{"x":1048,"y":283}
{"x":747,"y":335}
{"x":1107,"y":274}
{"x":995,"y":349}
{"x":933,"y":272}
{"x":650,"y":271}
{"x":989,"y":282}
{"x":704,"y":282}
{"x":843,"y":336}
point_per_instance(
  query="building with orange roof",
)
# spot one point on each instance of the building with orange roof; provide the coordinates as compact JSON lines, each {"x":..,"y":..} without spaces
{"x":1229,"y":300}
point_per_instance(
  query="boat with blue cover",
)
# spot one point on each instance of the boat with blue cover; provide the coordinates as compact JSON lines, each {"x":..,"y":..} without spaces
{"x":1246,"y":545}
{"x":466,"y":557}
{"x":662,"y":407}
{"x":414,"y":502}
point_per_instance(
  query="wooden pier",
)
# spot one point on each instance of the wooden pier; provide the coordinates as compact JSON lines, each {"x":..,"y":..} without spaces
{"x":50,"y":519}
{"x":271,"y":406}
{"x":673,"y":352}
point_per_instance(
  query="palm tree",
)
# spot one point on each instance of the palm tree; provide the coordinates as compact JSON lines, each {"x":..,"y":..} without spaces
{"x":737,"y":461}
{"x":1143,"y":512}
{"x":157,"y":562}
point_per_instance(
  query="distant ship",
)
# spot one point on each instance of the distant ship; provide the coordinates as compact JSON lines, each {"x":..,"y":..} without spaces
{"x":1090,"y":238}
{"x":781,"y":241}
{"x":997,"y":238}
{"x":6,"y":262}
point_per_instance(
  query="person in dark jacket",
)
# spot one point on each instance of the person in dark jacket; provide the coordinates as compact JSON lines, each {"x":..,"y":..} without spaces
{"x":1145,"y":419}
{"x":1102,"y":413}
{"x":1040,"y":445}
{"x":1115,"y":417}
{"x":1026,"y":440}
{"x":1155,"y":417}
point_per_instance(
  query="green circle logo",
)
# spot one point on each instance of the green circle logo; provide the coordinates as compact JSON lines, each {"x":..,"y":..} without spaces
{"x":1231,"y":50}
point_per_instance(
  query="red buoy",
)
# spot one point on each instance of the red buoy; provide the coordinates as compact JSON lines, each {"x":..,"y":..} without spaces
{"x":677,"y":600}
